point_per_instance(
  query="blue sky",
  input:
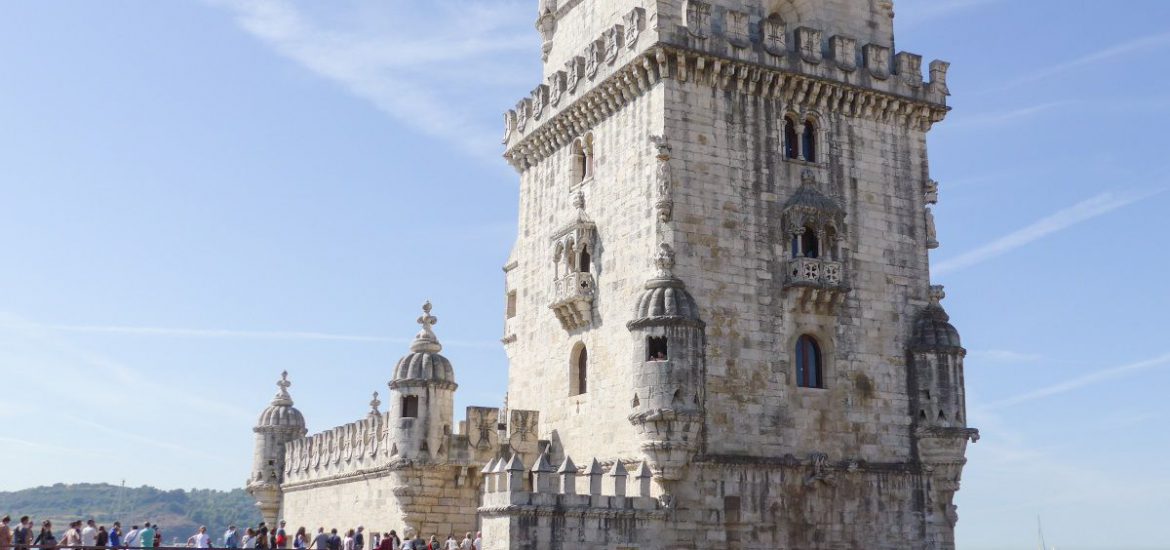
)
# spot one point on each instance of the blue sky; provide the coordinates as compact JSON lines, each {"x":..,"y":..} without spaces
{"x":196,"y":195}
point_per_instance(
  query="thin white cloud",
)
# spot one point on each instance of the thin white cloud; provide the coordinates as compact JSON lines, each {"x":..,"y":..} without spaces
{"x":1080,"y":382}
{"x":910,"y":13}
{"x":1144,"y":43}
{"x":1081,"y":212}
{"x":1006,"y":356}
{"x":420,"y":68}
{"x":1004,"y":118}
{"x":173,"y":332}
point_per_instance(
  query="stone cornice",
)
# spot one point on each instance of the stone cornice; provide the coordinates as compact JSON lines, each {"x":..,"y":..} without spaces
{"x":366,"y":473}
{"x":531,"y":139}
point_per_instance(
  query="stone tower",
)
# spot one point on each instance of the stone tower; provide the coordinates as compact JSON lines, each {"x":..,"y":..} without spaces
{"x":279,"y":424}
{"x":422,"y":398}
{"x":722,"y":269}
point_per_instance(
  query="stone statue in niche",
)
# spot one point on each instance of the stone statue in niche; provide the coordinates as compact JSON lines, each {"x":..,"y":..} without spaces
{"x":663,"y":179}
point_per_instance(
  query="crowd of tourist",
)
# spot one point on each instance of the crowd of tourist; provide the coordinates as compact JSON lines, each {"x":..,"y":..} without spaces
{"x":88,"y":535}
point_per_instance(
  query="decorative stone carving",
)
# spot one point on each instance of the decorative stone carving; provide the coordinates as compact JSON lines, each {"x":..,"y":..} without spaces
{"x":930,"y":196}
{"x":663,"y":181}
{"x":574,"y":72}
{"x":633,"y":23}
{"x":539,"y":100}
{"x":556,"y":87}
{"x":374,"y":404}
{"x":593,"y":57}
{"x":844,"y":52}
{"x":509,"y":125}
{"x":546,"y":24}
{"x":573,"y":286}
{"x":909,"y":68}
{"x":938,"y":77}
{"x":736,"y":27}
{"x":523,"y":110}
{"x":820,"y":470}
{"x":877,"y":60}
{"x":809,"y":41}
{"x":775,"y":38}
{"x":698,"y":18}
{"x":613,"y":37}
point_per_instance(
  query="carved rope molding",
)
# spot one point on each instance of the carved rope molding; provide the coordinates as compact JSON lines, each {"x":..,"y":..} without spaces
{"x":641,"y":74}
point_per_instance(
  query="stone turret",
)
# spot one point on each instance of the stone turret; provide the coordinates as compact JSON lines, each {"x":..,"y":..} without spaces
{"x":940,"y":425}
{"x":422,"y":397}
{"x":668,"y":371}
{"x":279,"y":424}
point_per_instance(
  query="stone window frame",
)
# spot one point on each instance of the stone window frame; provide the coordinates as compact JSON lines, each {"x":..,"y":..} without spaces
{"x":827,"y":348}
{"x":510,"y":303}
{"x":578,"y":380}
{"x":582,"y":163}
{"x":801,"y":121}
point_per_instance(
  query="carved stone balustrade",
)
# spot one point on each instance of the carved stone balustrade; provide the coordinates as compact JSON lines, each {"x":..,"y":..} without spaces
{"x":573,"y":300}
{"x":816,"y":283}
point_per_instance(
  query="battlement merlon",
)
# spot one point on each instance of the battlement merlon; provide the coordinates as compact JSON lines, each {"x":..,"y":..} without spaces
{"x":802,"y":67}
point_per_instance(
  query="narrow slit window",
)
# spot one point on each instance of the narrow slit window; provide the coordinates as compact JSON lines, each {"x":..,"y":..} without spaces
{"x":511,"y":305}
{"x":580,"y":372}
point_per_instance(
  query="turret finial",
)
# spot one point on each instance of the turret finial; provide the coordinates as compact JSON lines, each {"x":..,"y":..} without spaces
{"x":282,"y":396}
{"x":425,"y":340}
{"x":664,"y":260}
{"x":374,"y":404}
{"x":937,"y":294}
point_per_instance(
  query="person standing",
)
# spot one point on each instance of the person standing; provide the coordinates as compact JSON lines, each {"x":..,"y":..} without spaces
{"x":201,"y":538}
{"x":390,"y":542}
{"x":281,"y":538}
{"x":103,"y":537}
{"x":478,"y":545}
{"x":359,"y":539}
{"x":116,"y":535}
{"x":89,"y":534}
{"x":451,"y":543}
{"x":231,"y":537}
{"x":45,"y":539}
{"x":301,"y":539}
{"x":466,"y":543}
{"x":132,"y":538}
{"x":334,"y":540}
{"x":146,"y":536}
{"x":22,"y":536}
{"x":262,"y":535}
{"x":348,"y":542}
{"x":5,"y":532}
{"x":249,"y":538}
{"x":321,"y":541}
{"x":72,"y":536}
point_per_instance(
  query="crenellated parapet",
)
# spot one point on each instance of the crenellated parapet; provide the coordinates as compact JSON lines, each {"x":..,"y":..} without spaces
{"x":541,"y":506}
{"x":749,"y":54}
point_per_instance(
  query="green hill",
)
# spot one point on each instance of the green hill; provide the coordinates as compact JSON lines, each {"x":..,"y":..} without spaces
{"x":178,"y":513}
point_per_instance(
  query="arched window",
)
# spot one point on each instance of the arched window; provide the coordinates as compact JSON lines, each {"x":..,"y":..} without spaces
{"x":579,"y":375}
{"x":809,"y":141}
{"x":806,"y":244}
{"x":791,"y":145}
{"x":583,"y":262}
{"x":410,"y":406}
{"x":809,"y":365}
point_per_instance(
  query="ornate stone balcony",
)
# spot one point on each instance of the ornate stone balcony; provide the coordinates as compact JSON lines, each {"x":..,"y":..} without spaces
{"x":573,"y":300}
{"x":816,"y":282}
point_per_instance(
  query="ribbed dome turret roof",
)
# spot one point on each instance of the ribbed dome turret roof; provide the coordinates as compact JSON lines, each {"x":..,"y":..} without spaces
{"x":281,"y":413}
{"x":933,"y":330}
{"x":424,"y":364}
{"x":665,"y":299}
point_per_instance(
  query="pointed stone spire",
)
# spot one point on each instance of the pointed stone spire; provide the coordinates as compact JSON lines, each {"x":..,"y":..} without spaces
{"x":595,"y":472}
{"x":489,"y":476}
{"x":426,"y":341}
{"x":643,"y":475}
{"x":619,"y":475}
{"x":516,"y":474}
{"x":568,"y":473}
{"x":542,"y":475}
